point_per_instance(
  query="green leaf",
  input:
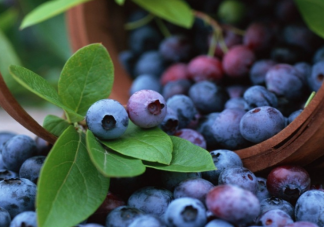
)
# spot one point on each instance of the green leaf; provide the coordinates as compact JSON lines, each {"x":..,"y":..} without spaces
{"x":152,"y":145}
{"x":8,"y":18}
{"x":312,"y":13}
{"x":48,"y":10}
{"x":39,"y":86}
{"x":120,"y":2}
{"x":70,"y":188}
{"x":186,"y":157}
{"x":86,"y":78}
{"x":55,"y":125}
{"x":174,"y":11}
{"x":110,"y":163}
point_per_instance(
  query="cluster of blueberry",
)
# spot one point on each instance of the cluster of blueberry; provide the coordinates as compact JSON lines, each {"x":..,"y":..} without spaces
{"x":230,"y":196}
{"x":250,"y":87}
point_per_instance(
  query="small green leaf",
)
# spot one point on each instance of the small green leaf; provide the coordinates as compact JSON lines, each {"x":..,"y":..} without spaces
{"x":70,"y":188}
{"x":8,"y":18}
{"x":110,"y":163}
{"x":186,"y":157}
{"x":152,"y":145}
{"x":312,"y":12}
{"x":55,"y":125}
{"x":47,"y":10}
{"x":39,"y":86}
{"x":86,"y":78}
{"x":174,"y":11}
{"x":120,"y":2}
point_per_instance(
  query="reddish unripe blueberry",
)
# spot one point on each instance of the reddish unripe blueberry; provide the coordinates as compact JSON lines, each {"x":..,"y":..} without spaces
{"x":288,"y":182}
{"x":258,"y":37}
{"x":146,"y":108}
{"x":233,"y":204}
{"x":193,"y":136}
{"x":238,"y":61}
{"x":204,"y":67}
{"x":174,"y":72}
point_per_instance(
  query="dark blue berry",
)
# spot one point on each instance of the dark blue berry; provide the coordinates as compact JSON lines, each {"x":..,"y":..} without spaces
{"x":257,"y":96}
{"x":147,"y":220}
{"x":30,"y":169}
{"x":176,"y":87}
{"x":145,"y":82}
{"x":176,"y":48}
{"x":317,"y":76}
{"x":5,"y":218}
{"x":259,"y":70}
{"x":204,"y":127}
{"x":26,"y":218}
{"x":151,"y":63}
{"x":122,"y":216}
{"x":276,"y":203}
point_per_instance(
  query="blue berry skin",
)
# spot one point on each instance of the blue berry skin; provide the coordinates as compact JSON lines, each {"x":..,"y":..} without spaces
{"x":310,"y":207}
{"x":226,"y":129}
{"x":7,"y":174}
{"x":5,"y":136}
{"x":218,"y":223}
{"x":122,"y":216}
{"x":107,"y":119}
{"x":170,"y":180}
{"x":208,"y":97}
{"x":186,"y":212}
{"x":22,"y":200}
{"x":5,"y":218}
{"x":236,"y":103}
{"x":90,"y":225}
{"x":145,"y":82}
{"x":293,"y":115}
{"x":234,"y":204}
{"x":146,"y":108}
{"x":170,"y":122}
{"x":222,"y":159}
{"x":30,"y":169}
{"x":176,"y":87}
{"x":176,"y":48}
{"x":144,"y":39}
{"x":302,"y":224}
{"x":262,"y":192}
{"x":317,"y":76}
{"x":147,"y":220}
{"x":272,"y":203}
{"x":184,"y":107}
{"x":193,"y":136}
{"x":16,"y":150}
{"x":259,"y":70}
{"x":261,"y":123}
{"x":151,"y":63}
{"x":204,"y":127}
{"x":275,"y":217}
{"x":26,"y":218}
{"x":151,"y":200}
{"x":239,"y":176}
{"x":305,"y":69}
{"x":285,"y":80}
{"x":257,"y":95}
{"x":128,"y":60}
{"x":194,"y":188}
{"x":319,"y":55}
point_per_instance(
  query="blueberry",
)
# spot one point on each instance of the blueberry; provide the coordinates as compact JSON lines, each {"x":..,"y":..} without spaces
{"x":302,"y":224}
{"x":31,"y":167}
{"x":5,"y":136}
{"x":293,"y":115}
{"x":146,"y":108}
{"x":151,"y":200}
{"x":23,"y":198}
{"x":319,"y":55}
{"x":239,"y":176}
{"x":107,"y":119}
{"x":147,"y":220}
{"x":310,"y":207}
{"x":317,"y":76}
{"x":193,"y":136}
{"x":194,"y":188}
{"x":16,"y":150}
{"x":222,"y":159}
{"x":7,"y":174}
{"x":257,"y":96}
{"x":90,"y":225}
{"x":275,"y":217}
{"x":176,"y":48}
{"x":204,"y":127}
{"x":305,"y":69}
{"x":145,"y":82}
{"x":170,"y":122}
{"x":259,"y":70}
{"x":184,"y":107}
{"x":176,"y":87}
{"x":234,"y":204}
{"x":258,"y":37}
{"x":43,"y":147}
{"x":26,"y":218}
{"x":122,"y":216}
{"x":236,"y":90}
{"x":287,"y":54}
{"x":186,"y":212}
{"x":276,"y":203}
{"x":5,"y":218}
{"x":208,"y":97}
{"x":261,"y":123}
{"x":151,"y":63}
{"x":236,"y":103}
{"x":128,"y":60}
{"x":176,"y":71}
{"x":170,"y":180}
{"x":218,"y":223}
{"x":262,"y":192}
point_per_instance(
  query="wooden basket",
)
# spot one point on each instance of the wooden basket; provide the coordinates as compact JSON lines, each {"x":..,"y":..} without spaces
{"x":301,"y":142}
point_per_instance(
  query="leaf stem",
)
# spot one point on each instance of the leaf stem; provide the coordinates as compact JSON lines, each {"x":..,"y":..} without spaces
{"x":163,"y":28}
{"x":139,"y":23}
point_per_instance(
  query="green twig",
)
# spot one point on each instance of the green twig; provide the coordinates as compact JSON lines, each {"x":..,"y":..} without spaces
{"x":165,"y":31}
{"x":139,"y":23}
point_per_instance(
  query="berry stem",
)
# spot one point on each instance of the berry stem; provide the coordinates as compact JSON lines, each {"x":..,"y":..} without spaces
{"x":13,"y":108}
{"x":139,"y":23}
{"x":165,"y":31}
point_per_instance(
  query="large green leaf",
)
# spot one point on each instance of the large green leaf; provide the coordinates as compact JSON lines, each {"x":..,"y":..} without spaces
{"x":110,"y":163}
{"x":174,"y":11}
{"x":39,"y":86}
{"x":312,"y":12}
{"x":86,"y":78}
{"x":120,"y":2}
{"x":55,"y":125}
{"x":48,"y":10}
{"x":186,"y":157}
{"x":146,"y":144}
{"x":70,"y":188}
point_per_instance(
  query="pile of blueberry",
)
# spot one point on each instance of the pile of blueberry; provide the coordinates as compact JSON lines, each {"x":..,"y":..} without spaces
{"x":250,"y":86}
